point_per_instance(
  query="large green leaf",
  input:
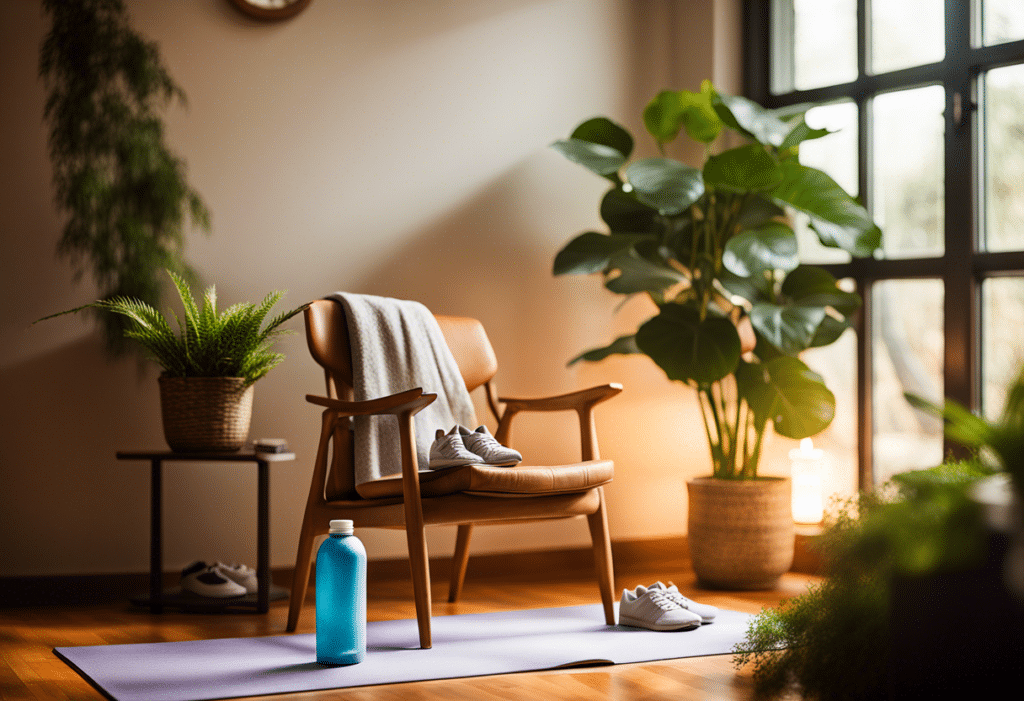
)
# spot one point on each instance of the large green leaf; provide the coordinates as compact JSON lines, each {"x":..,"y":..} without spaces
{"x":771,"y":247}
{"x":789,"y":394}
{"x":838,"y":219}
{"x":622,"y":211}
{"x":800,"y":133}
{"x":590,"y":252}
{"x":672,"y":110}
{"x":829,"y":331}
{"x":752,"y":120}
{"x":623,"y":345}
{"x":745,"y":169}
{"x":598,"y":158}
{"x":689,"y":349}
{"x":755,"y":211}
{"x":789,"y":328}
{"x":601,"y":130}
{"x":754,"y":288}
{"x":810,"y":285}
{"x":667,"y":185}
{"x":634,"y":273}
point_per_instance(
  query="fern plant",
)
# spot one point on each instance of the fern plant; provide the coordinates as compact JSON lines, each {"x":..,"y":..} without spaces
{"x":231,"y":343}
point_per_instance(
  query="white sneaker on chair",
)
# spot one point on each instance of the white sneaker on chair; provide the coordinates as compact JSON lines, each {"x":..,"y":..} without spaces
{"x":491,"y":452}
{"x":654,"y":609}
{"x":448,"y":450}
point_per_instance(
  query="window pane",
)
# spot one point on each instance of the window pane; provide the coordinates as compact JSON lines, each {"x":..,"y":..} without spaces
{"x":1002,"y":21}
{"x":906,"y":33}
{"x":1002,"y":344}
{"x":1004,"y":159}
{"x":814,"y":43}
{"x":836,"y":154}
{"x":837,"y":363}
{"x":908,"y":171}
{"x":907,"y":347}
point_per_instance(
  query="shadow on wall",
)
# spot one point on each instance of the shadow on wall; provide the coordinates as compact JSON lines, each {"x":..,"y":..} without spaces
{"x":66,"y":504}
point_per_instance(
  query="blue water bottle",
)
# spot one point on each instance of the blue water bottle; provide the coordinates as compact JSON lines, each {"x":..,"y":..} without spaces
{"x":341,"y":597}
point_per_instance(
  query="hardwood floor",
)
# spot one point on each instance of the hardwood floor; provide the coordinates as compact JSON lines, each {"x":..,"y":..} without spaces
{"x":29,"y":669}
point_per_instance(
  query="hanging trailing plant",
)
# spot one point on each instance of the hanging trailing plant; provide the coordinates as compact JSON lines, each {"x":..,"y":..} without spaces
{"x":124,"y":193}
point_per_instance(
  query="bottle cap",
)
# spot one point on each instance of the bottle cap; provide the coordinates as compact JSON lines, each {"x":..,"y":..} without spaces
{"x":342,"y":526}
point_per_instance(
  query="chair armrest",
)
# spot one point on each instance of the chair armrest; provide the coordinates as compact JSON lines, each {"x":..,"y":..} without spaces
{"x":580,"y":399}
{"x":409,"y":401}
{"x":582,"y":402}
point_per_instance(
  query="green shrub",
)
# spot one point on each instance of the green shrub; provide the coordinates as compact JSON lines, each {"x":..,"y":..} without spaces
{"x":833,"y":641}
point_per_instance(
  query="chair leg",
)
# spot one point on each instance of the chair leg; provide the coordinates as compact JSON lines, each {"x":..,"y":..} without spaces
{"x":420,"y":566}
{"x":598,"y":522}
{"x":459,"y":561}
{"x":300,"y":578}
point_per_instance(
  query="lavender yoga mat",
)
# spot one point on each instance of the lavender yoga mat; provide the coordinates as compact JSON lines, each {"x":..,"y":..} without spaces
{"x":464,"y":646}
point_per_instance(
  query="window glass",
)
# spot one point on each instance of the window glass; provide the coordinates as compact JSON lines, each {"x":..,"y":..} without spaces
{"x":906,"y":33}
{"x":836,"y":154}
{"x":1002,"y":343}
{"x":907,"y":348}
{"x":1002,"y":21}
{"x":837,"y":364}
{"x":908,"y":171}
{"x":816,"y":41}
{"x":1003,"y":189}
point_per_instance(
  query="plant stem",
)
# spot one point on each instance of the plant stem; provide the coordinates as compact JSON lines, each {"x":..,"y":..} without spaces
{"x":704,"y":394}
{"x":750,"y":469}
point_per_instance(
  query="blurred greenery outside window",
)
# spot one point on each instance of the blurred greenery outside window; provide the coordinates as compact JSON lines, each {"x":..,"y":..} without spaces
{"x":929,"y":133}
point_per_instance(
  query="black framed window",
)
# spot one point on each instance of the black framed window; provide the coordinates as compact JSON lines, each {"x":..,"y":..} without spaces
{"x":928,"y":98}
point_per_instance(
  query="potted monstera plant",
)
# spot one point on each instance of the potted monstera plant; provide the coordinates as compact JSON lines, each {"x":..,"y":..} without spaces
{"x":209,"y":365}
{"x":715,"y":250}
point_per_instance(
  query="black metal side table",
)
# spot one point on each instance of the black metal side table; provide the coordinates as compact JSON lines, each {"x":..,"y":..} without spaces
{"x":157,"y":597}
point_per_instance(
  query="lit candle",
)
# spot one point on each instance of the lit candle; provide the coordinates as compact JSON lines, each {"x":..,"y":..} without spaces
{"x":806,"y":472}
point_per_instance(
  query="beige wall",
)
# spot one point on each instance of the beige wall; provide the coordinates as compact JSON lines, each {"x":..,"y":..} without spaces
{"x":395,"y":148}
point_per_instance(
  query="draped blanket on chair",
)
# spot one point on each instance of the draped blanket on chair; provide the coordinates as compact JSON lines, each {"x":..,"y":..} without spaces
{"x":396,"y":346}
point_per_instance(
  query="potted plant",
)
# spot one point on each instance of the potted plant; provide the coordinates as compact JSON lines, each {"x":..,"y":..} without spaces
{"x":715,"y":250}
{"x":209,"y":366}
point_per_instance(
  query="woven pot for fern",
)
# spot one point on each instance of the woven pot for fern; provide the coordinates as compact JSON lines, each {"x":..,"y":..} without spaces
{"x":205,"y":414}
{"x":741,"y":532}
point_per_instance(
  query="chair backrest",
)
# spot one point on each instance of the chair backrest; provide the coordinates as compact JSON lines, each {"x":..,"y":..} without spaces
{"x":328,"y":341}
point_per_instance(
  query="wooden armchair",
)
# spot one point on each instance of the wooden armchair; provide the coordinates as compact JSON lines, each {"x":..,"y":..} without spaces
{"x":462,"y":496}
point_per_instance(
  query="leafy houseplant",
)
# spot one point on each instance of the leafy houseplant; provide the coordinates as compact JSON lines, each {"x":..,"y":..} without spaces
{"x":124,"y":193}
{"x":841,"y":639}
{"x":209,"y":365}
{"x":714,"y":250}
{"x":897,"y":563}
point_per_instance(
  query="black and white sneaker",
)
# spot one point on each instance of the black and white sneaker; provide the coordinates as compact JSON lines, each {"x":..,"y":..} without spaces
{"x":239,"y":574}
{"x":207,"y":580}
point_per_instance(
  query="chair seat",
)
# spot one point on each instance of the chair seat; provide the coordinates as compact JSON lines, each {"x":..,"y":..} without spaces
{"x":522,"y":480}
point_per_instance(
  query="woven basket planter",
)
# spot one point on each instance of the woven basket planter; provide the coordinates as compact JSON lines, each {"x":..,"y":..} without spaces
{"x":205,"y":414}
{"x":741,"y":532}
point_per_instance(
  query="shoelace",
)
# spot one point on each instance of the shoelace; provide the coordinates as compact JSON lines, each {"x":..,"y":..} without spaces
{"x":663,"y":601}
{"x":678,"y":598}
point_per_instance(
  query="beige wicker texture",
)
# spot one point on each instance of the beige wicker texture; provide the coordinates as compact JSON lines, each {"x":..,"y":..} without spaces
{"x":741,"y":532}
{"x":205,"y":414}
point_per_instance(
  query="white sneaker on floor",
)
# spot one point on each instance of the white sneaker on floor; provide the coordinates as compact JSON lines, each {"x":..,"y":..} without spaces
{"x":654,"y":609}
{"x":448,"y":450}
{"x":491,"y":452}
{"x":207,"y":580}
{"x":707,"y":612}
{"x":243,"y":575}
